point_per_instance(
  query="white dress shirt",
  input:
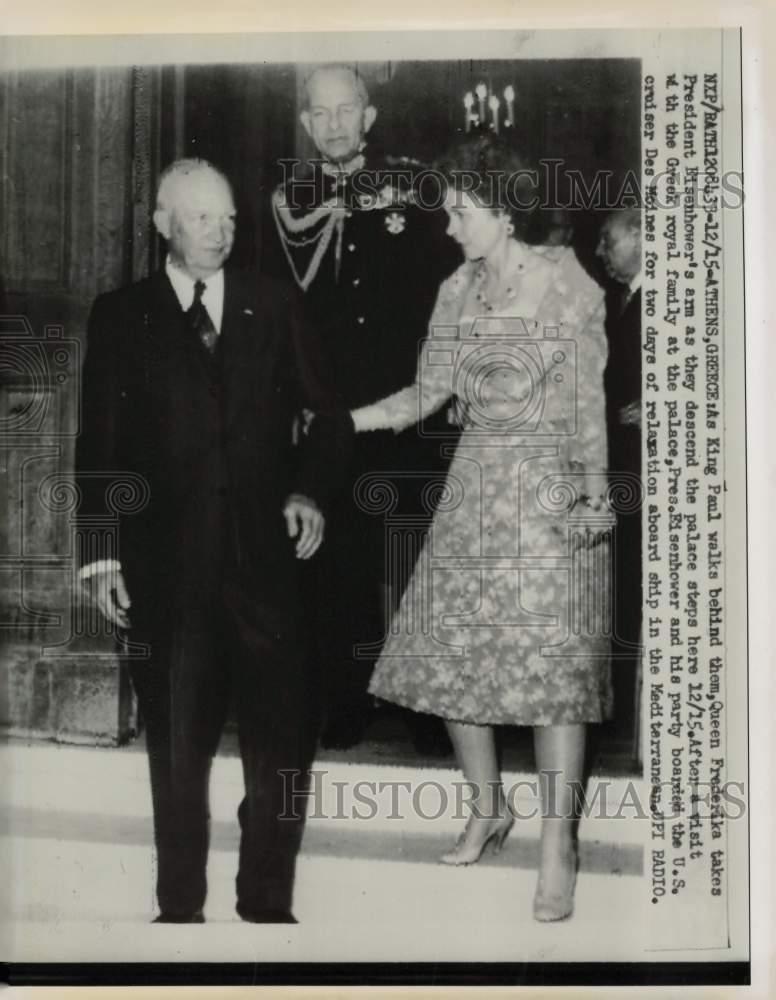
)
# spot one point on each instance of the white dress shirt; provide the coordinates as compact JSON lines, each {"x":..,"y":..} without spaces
{"x":634,"y":285}
{"x":212,"y":297}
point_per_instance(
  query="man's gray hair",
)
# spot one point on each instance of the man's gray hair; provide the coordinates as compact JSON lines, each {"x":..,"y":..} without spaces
{"x":351,"y":71}
{"x":177,"y":170}
{"x":628,"y":218}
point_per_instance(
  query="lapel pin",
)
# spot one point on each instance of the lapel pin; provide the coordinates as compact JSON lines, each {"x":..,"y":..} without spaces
{"x":248,"y":312}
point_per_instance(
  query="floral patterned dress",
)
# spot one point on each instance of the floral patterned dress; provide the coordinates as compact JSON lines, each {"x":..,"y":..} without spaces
{"x":506,"y":616}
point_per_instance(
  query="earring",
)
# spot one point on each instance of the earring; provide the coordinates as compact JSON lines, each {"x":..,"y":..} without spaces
{"x":510,"y":229}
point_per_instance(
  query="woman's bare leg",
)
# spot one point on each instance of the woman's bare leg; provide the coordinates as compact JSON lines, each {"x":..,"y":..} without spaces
{"x":475,"y":750}
{"x":560,"y":758}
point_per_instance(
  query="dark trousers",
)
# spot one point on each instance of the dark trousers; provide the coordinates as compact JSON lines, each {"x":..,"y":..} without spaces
{"x":626,"y":585}
{"x":205,"y":653}
{"x":348,"y":613}
{"x":388,"y":479}
{"x":625,"y":461}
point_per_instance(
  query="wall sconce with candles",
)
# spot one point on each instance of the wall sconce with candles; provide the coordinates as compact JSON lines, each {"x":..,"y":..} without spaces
{"x":478,"y":119}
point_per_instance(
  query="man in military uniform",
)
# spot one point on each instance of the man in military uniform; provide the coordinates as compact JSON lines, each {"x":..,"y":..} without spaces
{"x":370,"y":261}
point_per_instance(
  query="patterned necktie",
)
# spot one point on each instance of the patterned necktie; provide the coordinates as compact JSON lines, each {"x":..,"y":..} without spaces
{"x":199,"y":319}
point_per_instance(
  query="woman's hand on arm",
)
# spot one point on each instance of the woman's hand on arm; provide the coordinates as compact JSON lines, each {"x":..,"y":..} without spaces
{"x":369,"y":418}
{"x":396,"y":412}
{"x":408,"y":406}
{"x":432,"y":387}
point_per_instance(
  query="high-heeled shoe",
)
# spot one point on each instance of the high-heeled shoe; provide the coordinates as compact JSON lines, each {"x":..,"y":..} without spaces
{"x":469,"y":854}
{"x":559,"y":904}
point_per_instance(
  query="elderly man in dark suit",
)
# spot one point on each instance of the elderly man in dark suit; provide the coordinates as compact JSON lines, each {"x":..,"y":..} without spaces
{"x":193,"y":380}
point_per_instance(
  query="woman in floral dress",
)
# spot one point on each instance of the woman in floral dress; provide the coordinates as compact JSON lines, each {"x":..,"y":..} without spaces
{"x":505,"y":620}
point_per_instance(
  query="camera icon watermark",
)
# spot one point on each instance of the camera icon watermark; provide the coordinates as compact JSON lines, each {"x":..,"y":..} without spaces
{"x":38,"y":382}
{"x":507,"y":375}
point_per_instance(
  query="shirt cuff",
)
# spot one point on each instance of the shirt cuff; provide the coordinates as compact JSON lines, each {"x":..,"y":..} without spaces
{"x":99,"y":566}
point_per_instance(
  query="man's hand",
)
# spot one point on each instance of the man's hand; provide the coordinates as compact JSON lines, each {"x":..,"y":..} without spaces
{"x":106,"y":588}
{"x":305,"y":523}
{"x":307,"y":418}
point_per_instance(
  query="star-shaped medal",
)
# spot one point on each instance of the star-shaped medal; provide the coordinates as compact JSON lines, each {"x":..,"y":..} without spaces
{"x":395,"y":223}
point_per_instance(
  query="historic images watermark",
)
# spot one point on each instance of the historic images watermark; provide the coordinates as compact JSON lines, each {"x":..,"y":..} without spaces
{"x":549,"y":186}
{"x":324,"y":797}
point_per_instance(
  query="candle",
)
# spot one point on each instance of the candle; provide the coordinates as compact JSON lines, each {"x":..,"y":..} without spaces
{"x":468,"y":103}
{"x":482,"y":92}
{"x":509,"y":97}
{"x":493,"y":104}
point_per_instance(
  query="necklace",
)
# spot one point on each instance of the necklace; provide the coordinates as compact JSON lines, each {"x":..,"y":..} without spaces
{"x":509,"y":291}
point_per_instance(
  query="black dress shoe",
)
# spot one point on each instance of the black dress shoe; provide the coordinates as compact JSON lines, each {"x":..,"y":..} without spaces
{"x":197,"y":917}
{"x":266,"y":916}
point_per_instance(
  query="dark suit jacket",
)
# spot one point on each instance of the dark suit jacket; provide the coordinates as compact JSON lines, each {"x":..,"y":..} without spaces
{"x":622,"y":381}
{"x":212,"y":438}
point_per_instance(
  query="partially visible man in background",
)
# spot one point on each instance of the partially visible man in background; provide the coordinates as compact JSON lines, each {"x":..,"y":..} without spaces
{"x":619,"y":248}
{"x":370,"y":262}
{"x":192,"y":381}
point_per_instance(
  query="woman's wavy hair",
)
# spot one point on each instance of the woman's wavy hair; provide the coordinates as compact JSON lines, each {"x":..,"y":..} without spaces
{"x":497,"y":175}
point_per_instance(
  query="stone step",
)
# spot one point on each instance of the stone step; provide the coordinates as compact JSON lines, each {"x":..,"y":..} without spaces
{"x":102,"y":794}
{"x":79,"y":864}
{"x":84,"y":902}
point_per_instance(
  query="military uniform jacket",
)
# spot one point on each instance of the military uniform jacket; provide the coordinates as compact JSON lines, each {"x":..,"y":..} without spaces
{"x":370,"y":275}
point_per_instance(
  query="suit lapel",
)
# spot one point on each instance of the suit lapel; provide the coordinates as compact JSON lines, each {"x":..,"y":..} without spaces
{"x":171,"y":333}
{"x":632,"y":311}
{"x":241,"y":330}
{"x":164,"y":319}
{"x":233,"y":318}
{"x":169,"y":336}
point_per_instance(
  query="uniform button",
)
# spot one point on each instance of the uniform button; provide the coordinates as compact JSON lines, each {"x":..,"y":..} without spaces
{"x":356,"y":282}
{"x":351,"y":247}
{"x":361,"y":319}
